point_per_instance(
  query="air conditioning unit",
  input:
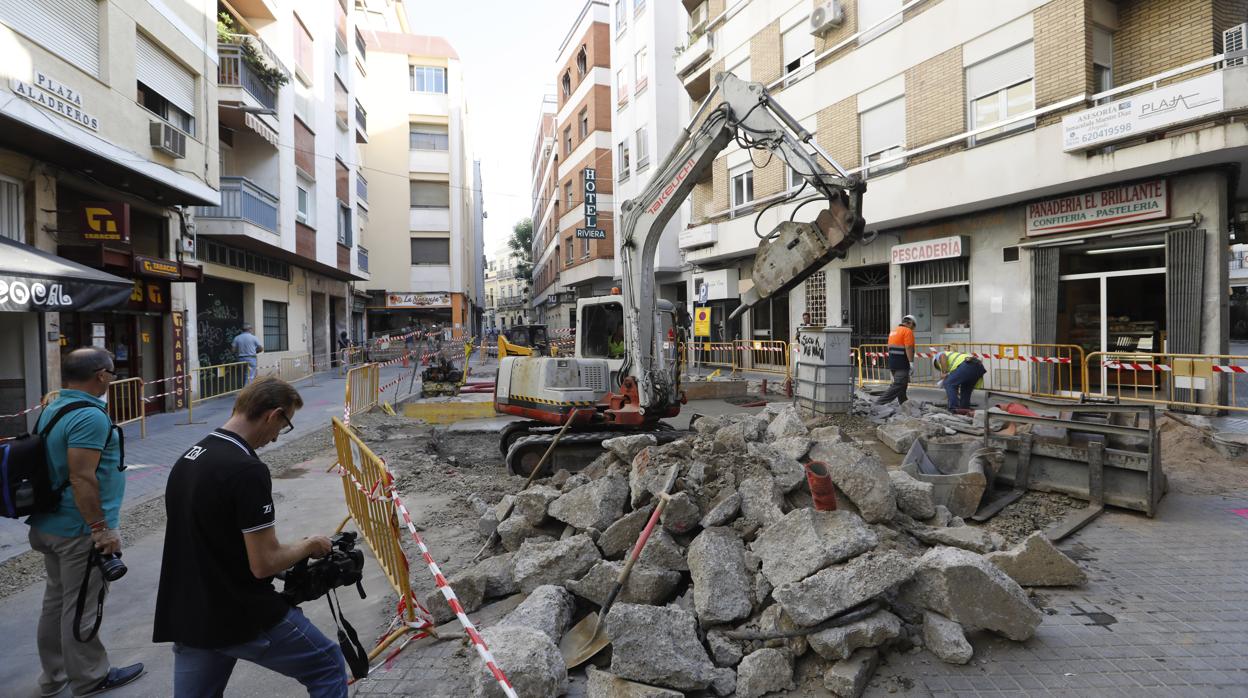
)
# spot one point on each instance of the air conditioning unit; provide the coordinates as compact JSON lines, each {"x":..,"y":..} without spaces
{"x":1235,"y":39}
{"x":826,"y":17}
{"x":167,"y":139}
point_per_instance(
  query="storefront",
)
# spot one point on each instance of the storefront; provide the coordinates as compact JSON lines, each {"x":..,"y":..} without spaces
{"x":219,"y":319}
{"x":936,"y":283}
{"x":717,"y":292}
{"x":399,"y":311}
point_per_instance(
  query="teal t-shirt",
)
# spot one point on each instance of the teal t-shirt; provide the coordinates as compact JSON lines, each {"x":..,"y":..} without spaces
{"x":82,"y":428}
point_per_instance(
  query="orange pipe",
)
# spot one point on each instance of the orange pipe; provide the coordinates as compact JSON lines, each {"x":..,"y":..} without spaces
{"x":821,"y":488}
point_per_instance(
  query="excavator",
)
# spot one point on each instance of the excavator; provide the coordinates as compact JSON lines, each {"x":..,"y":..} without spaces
{"x":601,"y":392}
{"x":522,"y":340}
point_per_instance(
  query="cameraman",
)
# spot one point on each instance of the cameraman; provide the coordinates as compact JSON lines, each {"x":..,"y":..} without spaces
{"x":216,"y":600}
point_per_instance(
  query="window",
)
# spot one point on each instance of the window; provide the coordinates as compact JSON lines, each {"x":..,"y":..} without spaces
{"x":275,"y":335}
{"x":584,"y":248}
{"x":340,"y":61}
{"x":622,"y":156}
{"x":567,"y":194}
{"x":12,"y":207}
{"x":643,"y":149}
{"x":872,"y":12}
{"x":428,"y":137}
{"x":621,"y":15}
{"x":567,"y":245}
{"x":621,"y":86}
{"x":345,"y":237}
{"x":68,"y":30}
{"x":584,"y":122}
{"x":1102,"y":59}
{"x":427,"y":78}
{"x":161,"y":107}
{"x":600,"y":324}
{"x":999,"y":88}
{"x":639,"y":70}
{"x":303,"y":52}
{"x":797,"y":48}
{"x":304,"y":202}
{"x":817,"y":298}
{"x":164,"y":86}
{"x":566,"y":83}
{"x":431,"y":251}
{"x":217,"y":253}
{"x":582,"y":63}
{"x":567,"y":141}
{"x":430,"y":194}
{"x":742,"y":178}
{"x":883,"y":130}
{"x":796,"y":179}
{"x":698,"y":16}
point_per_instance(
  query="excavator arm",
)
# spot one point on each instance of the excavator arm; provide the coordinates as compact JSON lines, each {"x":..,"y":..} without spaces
{"x":785,"y":257}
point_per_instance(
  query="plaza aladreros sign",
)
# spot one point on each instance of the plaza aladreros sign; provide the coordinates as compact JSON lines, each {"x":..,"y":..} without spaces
{"x":1125,"y":204}
{"x":56,"y":98}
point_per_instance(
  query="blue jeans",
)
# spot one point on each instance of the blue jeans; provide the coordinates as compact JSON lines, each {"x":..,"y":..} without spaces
{"x":294,"y":647}
{"x":251,"y":368}
{"x":961,"y":383}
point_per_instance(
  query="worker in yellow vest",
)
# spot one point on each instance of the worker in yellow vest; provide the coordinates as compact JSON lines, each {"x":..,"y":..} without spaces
{"x":962,"y":374}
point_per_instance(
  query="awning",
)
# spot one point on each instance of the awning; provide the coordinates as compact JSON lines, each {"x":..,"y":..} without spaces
{"x":32,"y":280}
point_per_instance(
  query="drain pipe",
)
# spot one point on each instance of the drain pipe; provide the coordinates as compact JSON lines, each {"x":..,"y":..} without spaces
{"x":821,"y":488}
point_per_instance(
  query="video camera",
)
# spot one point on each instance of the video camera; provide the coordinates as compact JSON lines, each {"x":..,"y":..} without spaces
{"x":311,"y":579}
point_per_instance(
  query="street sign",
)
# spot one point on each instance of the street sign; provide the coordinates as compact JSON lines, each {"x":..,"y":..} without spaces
{"x":702,"y":322}
{"x":591,"y":233}
{"x":704,"y":292}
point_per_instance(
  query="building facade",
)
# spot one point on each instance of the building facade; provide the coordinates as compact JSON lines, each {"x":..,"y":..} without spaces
{"x":553,"y":305}
{"x":650,"y":111}
{"x":424,"y":227}
{"x":574,"y":249}
{"x":1060,"y":171}
{"x":506,"y":293}
{"x":283,"y":251}
{"x":108,"y":139}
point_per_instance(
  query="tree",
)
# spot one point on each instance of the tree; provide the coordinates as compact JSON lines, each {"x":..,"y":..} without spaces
{"x":521,"y":244}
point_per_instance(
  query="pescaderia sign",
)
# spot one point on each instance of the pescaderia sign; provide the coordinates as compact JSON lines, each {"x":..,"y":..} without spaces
{"x":1125,"y":204}
{"x":926,"y":250}
{"x":56,"y":98}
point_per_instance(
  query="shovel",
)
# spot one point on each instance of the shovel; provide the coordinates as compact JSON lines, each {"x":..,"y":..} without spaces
{"x":587,"y":638}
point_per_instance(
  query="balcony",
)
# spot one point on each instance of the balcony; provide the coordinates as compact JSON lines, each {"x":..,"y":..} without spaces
{"x":515,"y":301}
{"x":242,"y":201}
{"x":361,"y":123}
{"x":693,"y":65}
{"x":361,"y":259}
{"x":234,"y":71}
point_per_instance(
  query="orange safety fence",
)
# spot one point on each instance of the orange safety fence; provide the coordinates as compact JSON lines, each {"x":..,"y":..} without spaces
{"x":711,"y":354}
{"x":762,"y":356}
{"x":1036,"y":370}
{"x":1189,"y":381}
{"x":873,"y":365}
{"x":126,"y":403}
{"x":362,"y":391}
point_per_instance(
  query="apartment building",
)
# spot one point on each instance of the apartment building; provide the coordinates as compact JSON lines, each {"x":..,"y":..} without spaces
{"x":282,"y":251}
{"x":424,"y":227}
{"x":552,"y":304}
{"x":576,"y":240}
{"x":650,"y":111}
{"x":108,"y":135}
{"x":506,"y":293}
{"x":1060,"y":171}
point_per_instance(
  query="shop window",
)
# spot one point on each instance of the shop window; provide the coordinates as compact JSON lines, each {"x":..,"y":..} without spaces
{"x":431,"y":251}
{"x":602,"y":324}
{"x":11,"y":210}
{"x":883,"y":131}
{"x":742,"y":178}
{"x":275,"y":335}
{"x":999,"y":88}
{"x":938,"y":296}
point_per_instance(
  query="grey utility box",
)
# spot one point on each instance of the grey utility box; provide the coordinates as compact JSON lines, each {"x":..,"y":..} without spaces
{"x":825,"y":375}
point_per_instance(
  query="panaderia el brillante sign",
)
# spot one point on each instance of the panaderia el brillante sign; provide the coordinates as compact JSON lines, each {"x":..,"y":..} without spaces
{"x":1125,"y":204}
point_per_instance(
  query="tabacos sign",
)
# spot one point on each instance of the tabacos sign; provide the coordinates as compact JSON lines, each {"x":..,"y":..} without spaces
{"x":1124,"y":204}
{"x":105,"y":221}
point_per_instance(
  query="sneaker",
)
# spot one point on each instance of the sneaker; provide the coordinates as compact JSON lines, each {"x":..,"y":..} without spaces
{"x":117,"y":678}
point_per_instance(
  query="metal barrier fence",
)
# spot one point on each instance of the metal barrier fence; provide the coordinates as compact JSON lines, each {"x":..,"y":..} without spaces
{"x":1199,"y":381}
{"x":873,"y":365}
{"x":1038,"y":370}
{"x":208,"y":382}
{"x":715,"y":354}
{"x":362,"y":390}
{"x":762,"y":356}
{"x":126,"y":404}
{"x":349,"y":358}
{"x":295,"y":368}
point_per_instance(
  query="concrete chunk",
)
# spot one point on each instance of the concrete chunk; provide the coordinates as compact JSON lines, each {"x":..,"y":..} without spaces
{"x":646,"y":585}
{"x":829,"y":434}
{"x":658,"y":645}
{"x":513,"y":532}
{"x":627,"y":447}
{"x":840,"y":642}
{"x":536,"y":564}
{"x":945,"y":639}
{"x":848,"y":678}
{"x":974,"y":539}
{"x":898,"y":437}
{"x":548,"y":609}
{"x":663,"y":552}
{"x":725,"y":652}
{"x":795,"y":447}
{"x":721,"y":585}
{"x":469,"y":588}
{"x":860,"y":477}
{"x":531,"y":504}
{"x":761,"y":500}
{"x":724,"y":511}
{"x":647,"y":475}
{"x":787,"y":472}
{"x":529,"y":658}
{"x":764,"y":671}
{"x":621,"y":536}
{"x":1036,"y":562}
{"x":841,"y":587}
{"x":604,"y":684}
{"x":805,"y":541}
{"x":966,"y":588}
{"x":497,"y":573}
{"x":914,"y":498}
{"x":681,"y":515}
{"x":787,"y":423}
{"x":596,"y":505}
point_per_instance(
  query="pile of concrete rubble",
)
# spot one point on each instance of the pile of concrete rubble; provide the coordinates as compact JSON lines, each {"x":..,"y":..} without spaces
{"x":744,"y":575}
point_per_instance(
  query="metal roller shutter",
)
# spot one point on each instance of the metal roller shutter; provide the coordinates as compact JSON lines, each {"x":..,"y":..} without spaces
{"x":67,"y":28}
{"x":884,"y":127}
{"x":1185,"y":278}
{"x":1000,"y":71}
{"x":158,"y":70}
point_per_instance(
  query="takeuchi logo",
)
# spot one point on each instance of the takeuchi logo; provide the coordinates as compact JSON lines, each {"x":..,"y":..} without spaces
{"x":37,"y":292}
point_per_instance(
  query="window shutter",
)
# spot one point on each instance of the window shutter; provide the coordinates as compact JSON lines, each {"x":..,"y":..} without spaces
{"x":430,"y":195}
{"x":157,"y":69}
{"x":796,"y":43}
{"x":871,"y":12}
{"x":884,"y":126}
{"x":1002,"y":70}
{"x":1102,"y":47}
{"x":67,"y":28}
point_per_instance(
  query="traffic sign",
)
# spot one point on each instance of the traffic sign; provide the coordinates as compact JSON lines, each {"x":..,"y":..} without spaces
{"x":702,"y":322}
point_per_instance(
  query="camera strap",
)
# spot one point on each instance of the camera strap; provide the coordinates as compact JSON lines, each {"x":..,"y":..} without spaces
{"x":82,"y":602}
{"x":348,"y":640}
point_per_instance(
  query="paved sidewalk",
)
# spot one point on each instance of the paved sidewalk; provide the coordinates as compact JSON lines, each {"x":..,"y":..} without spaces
{"x":168,"y":436}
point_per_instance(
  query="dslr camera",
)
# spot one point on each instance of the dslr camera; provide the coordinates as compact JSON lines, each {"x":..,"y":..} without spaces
{"x":311,"y":579}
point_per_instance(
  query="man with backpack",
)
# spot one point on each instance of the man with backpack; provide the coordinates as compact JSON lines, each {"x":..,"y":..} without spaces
{"x":84,"y":454}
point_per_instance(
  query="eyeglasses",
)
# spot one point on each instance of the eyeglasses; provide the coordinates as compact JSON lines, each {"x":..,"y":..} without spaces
{"x":289,"y":427}
{"x":110,"y":372}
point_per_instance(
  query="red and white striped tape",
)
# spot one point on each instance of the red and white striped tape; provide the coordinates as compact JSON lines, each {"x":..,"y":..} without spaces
{"x":23,"y":413}
{"x":1126,"y":366}
{"x":1230,"y":369}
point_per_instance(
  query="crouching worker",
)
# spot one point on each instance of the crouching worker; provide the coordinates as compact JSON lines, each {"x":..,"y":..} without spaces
{"x":962,"y":374}
{"x":216,"y":600}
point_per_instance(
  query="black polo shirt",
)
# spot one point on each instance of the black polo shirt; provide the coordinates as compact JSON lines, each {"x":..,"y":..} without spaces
{"x":217,"y":491}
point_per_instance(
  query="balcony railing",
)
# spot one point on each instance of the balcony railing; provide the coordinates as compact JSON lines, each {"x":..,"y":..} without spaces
{"x":233,"y":71}
{"x":361,"y":257}
{"x":242,"y":200}
{"x":509,"y":301}
{"x":361,"y":187}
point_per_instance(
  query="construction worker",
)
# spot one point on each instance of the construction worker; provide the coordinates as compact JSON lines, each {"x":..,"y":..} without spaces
{"x":615,"y":348}
{"x":900,"y":357}
{"x":962,"y":374}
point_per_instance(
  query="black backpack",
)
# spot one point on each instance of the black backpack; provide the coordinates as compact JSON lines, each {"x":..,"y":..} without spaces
{"x":25,"y":474}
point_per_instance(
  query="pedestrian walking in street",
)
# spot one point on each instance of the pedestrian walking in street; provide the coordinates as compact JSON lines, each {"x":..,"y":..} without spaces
{"x":84,"y":454}
{"x":215,"y":600}
{"x":246,"y":346}
{"x":962,"y":375}
{"x":900,"y":360}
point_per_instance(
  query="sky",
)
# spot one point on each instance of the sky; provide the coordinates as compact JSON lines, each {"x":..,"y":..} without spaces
{"x":508,"y":50}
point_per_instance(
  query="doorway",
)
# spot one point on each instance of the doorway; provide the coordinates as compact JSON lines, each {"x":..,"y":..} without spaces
{"x":1119,"y":311}
{"x":320,"y":332}
{"x":770,"y":319}
{"x":868,"y":305}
